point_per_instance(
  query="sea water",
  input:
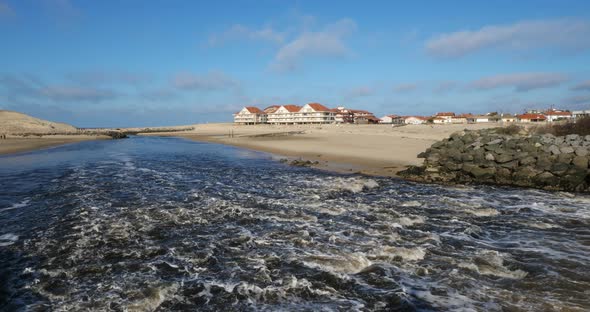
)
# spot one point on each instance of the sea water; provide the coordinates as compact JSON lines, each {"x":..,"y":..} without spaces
{"x":166,"y":224}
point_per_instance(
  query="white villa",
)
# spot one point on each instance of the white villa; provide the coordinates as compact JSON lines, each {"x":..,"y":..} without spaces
{"x":315,"y":113}
{"x":285,"y":114}
{"x":553,"y":115}
{"x":250,"y":115}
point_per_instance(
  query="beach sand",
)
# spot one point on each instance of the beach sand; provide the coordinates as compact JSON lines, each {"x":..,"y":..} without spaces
{"x":18,"y":144}
{"x":369,"y":149}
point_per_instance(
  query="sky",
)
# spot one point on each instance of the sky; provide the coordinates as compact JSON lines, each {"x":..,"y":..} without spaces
{"x":158,"y":63}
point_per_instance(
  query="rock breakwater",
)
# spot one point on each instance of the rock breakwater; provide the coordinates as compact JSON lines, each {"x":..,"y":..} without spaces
{"x":492,"y":157}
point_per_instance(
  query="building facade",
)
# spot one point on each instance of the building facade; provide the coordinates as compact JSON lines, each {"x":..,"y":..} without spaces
{"x":250,"y":115}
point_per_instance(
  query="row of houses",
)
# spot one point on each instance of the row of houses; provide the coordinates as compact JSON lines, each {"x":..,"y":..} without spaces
{"x":532,"y":116}
{"x":312,"y":113}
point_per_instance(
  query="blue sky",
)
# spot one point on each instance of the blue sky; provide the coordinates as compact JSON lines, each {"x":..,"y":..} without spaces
{"x":149,"y":63}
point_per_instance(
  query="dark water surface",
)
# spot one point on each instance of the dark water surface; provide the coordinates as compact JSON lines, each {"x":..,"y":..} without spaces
{"x":167,"y":224}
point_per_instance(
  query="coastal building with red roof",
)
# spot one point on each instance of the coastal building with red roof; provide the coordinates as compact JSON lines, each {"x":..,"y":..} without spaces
{"x":250,"y":115}
{"x":554,"y":115}
{"x":530,"y":117}
{"x":315,"y":113}
{"x":285,"y":114}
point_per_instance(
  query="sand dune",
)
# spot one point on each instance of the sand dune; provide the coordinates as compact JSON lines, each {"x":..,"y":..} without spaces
{"x":16,"y":123}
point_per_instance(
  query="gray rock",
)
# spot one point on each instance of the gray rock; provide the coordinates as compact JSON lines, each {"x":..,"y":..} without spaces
{"x":581,"y":151}
{"x":587,"y":138}
{"x":510,"y":165}
{"x":490,"y":156}
{"x":528,"y":161}
{"x":580,"y":162}
{"x":554,"y":150}
{"x":566,"y":149}
{"x":504,"y":158}
{"x":559,"y":168}
{"x":453,"y":166}
{"x":544,"y":163}
{"x":558,"y":140}
{"x":546,"y":178}
{"x":538,"y":144}
{"x":547,"y":138}
{"x":496,"y":141}
{"x":524,"y":174}
{"x":482,"y":173}
{"x":565,"y":158}
{"x":572,"y":137}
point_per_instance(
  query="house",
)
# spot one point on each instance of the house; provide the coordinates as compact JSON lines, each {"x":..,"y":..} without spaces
{"x":554,"y":115}
{"x":461,"y":119}
{"x":366,"y":119}
{"x":528,"y":118}
{"x":415,"y":120}
{"x":388,"y":119}
{"x":508,"y":118}
{"x":440,"y":120}
{"x":363,"y":117}
{"x":250,"y":115}
{"x":447,"y":116}
{"x":315,"y":113}
{"x":343,"y":115}
{"x":271,"y":109}
{"x":285,"y":114}
{"x":581,"y":114}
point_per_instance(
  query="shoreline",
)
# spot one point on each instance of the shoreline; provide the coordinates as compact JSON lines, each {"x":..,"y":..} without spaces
{"x":375,"y":150}
{"x":18,"y":144}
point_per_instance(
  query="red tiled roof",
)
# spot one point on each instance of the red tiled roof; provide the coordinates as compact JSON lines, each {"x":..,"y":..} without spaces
{"x":450,"y":114}
{"x":292,"y":108}
{"x":531,"y":116}
{"x":271,"y":109}
{"x":254,"y":110}
{"x":360,"y":111}
{"x":318,"y":107}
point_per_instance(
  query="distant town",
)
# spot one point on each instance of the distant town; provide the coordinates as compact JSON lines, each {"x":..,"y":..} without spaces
{"x":316,"y":113}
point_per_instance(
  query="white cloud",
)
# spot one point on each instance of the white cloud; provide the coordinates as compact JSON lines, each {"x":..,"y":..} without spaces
{"x":325,"y":43}
{"x":359,"y":92}
{"x":241,"y":32}
{"x":214,"y":80}
{"x":582,"y":86}
{"x":521,"y":82}
{"x":559,"y":33}
{"x":445,"y":86}
{"x":69,"y":93}
{"x":405,"y":87}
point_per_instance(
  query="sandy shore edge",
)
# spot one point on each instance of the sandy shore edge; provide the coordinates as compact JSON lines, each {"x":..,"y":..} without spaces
{"x":14,"y":145}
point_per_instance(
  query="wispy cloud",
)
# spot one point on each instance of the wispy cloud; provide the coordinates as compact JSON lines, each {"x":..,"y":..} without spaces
{"x":559,"y":34}
{"x":105,"y":78}
{"x":445,"y":87}
{"x":241,"y":32}
{"x":357,"y":92}
{"x":521,"y":82}
{"x":21,"y":88}
{"x":578,"y":100}
{"x":77,"y":94}
{"x":328,"y":42}
{"x":582,"y":86}
{"x":214,"y":80}
{"x":5,"y":10}
{"x":405,"y":87}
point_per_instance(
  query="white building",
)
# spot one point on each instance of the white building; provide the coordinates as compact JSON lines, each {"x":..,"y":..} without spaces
{"x":250,"y":115}
{"x":581,"y":113}
{"x":415,"y":120}
{"x":315,"y":113}
{"x":285,"y":114}
{"x":554,"y":115}
{"x":388,"y":119}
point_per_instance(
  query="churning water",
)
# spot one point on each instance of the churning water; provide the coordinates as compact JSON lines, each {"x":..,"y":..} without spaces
{"x":168,"y":224}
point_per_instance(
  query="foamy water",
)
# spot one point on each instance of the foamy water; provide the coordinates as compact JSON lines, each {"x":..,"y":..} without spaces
{"x":164,"y":224}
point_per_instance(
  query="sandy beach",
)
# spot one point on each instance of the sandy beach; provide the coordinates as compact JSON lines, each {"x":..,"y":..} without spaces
{"x":369,"y":149}
{"x":14,"y":144}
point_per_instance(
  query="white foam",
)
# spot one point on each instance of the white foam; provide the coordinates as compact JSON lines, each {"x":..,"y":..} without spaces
{"x":8,"y":239}
{"x":491,"y":262}
{"x":339,"y":263}
{"x":22,"y":204}
{"x":483,"y":212}
{"x":408,"y":254}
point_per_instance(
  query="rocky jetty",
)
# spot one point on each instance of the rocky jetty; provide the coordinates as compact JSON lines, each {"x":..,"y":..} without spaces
{"x":493,"y":157}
